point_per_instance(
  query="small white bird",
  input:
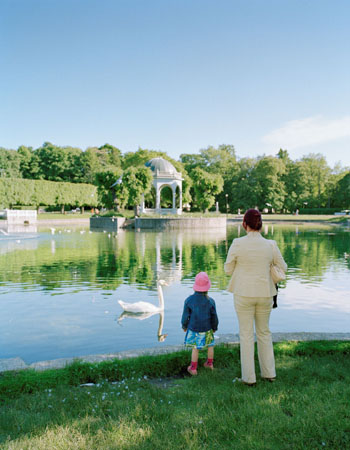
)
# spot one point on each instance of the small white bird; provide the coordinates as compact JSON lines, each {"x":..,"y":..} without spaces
{"x":53,"y":230}
{"x":144,"y":307}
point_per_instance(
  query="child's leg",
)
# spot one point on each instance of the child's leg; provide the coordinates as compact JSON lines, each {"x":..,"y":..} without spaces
{"x":192,"y":369}
{"x":209,"y":363}
{"x":194,"y":357}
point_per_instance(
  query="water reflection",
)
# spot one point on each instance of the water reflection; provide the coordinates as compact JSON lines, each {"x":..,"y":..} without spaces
{"x":142,"y":316}
{"x":55,"y":289}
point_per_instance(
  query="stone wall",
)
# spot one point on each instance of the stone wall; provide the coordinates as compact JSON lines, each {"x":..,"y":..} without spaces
{"x":172,"y":223}
{"x":19,"y":216}
{"x":106,"y":223}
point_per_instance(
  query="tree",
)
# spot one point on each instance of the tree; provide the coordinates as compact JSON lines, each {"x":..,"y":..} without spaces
{"x":191,"y":161}
{"x":220,"y":160}
{"x":241,"y":187}
{"x":318,"y":174}
{"x":9,"y":163}
{"x":206,"y":186}
{"x":59,"y":163}
{"x":296,"y":185}
{"x":29,"y":164}
{"x":138,"y":181}
{"x":140,"y":157}
{"x":269,"y":184}
{"x":106,"y":194}
{"x":111,"y":155}
{"x":342,"y":192}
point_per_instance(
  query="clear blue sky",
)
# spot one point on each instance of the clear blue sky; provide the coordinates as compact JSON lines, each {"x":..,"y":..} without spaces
{"x":177,"y":75}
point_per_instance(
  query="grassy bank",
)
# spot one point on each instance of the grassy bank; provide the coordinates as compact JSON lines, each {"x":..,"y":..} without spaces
{"x":135,"y":405}
{"x":59,"y":216}
{"x":299,"y":218}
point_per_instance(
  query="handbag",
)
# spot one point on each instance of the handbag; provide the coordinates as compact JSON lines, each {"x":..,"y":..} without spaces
{"x":277,"y":274}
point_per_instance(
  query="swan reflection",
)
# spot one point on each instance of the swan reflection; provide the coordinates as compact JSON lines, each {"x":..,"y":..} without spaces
{"x":145,"y":315}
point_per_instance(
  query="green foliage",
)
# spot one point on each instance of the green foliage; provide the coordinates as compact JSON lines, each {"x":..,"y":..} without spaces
{"x":108,"y":196}
{"x":140,"y":157}
{"x":103,"y":159}
{"x":206,"y":186}
{"x":323,"y":211}
{"x":138,"y":181}
{"x":59,"y":163}
{"x":317,"y":175}
{"x":285,"y":184}
{"x":269,"y":185}
{"x":342,"y":192}
{"x":9,"y":163}
{"x":16,"y":191}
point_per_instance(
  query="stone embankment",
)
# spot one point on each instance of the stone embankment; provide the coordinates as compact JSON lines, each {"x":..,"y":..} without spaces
{"x":18,"y":363}
{"x":180,"y":223}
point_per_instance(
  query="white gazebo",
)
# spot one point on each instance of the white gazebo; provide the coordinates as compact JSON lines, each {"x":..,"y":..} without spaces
{"x":164,"y":174}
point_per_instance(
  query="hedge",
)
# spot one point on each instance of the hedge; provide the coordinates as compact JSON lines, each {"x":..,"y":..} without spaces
{"x":18,"y":191}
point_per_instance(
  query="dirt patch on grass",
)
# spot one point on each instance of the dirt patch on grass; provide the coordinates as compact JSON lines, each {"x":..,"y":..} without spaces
{"x":166,"y":382}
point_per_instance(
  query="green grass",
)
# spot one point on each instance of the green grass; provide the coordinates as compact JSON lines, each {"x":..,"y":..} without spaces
{"x":306,"y":408}
{"x":128,"y":213}
{"x":299,"y":218}
{"x":67,"y":216}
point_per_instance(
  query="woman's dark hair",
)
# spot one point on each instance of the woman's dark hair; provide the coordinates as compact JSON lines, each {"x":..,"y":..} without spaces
{"x":253,"y":219}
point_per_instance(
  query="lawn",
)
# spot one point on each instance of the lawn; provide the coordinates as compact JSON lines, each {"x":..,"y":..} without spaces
{"x":151,"y":403}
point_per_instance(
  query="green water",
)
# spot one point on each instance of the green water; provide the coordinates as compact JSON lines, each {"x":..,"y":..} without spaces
{"x":59,"y":292}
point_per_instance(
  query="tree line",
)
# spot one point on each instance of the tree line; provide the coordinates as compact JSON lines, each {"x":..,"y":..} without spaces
{"x":213,"y":174}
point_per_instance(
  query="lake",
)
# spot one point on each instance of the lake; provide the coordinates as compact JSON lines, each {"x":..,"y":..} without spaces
{"x":59,"y":288}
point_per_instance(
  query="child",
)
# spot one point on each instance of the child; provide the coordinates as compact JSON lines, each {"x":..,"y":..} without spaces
{"x":200,"y":321}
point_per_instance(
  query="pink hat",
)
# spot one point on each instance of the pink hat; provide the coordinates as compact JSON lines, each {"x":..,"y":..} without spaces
{"x":201,"y":282}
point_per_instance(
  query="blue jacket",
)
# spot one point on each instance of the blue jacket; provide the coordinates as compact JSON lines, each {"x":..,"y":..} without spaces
{"x":199,"y":313}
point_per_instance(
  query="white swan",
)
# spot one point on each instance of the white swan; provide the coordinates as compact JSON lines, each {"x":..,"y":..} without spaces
{"x":145,"y":307}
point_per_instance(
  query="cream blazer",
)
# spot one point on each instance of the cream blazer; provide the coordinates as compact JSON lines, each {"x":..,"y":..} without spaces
{"x":248,"y":261}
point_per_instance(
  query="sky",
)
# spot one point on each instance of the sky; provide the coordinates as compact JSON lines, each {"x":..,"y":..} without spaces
{"x":177,"y":75}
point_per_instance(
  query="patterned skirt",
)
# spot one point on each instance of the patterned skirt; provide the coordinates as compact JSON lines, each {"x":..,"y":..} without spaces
{"x":199,"y":340}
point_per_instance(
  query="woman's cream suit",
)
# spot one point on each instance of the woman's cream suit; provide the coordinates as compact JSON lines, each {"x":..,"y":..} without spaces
{"x":248,"y":261}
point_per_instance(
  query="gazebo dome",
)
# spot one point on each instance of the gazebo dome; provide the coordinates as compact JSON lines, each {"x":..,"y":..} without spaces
{"x":161,"y":165}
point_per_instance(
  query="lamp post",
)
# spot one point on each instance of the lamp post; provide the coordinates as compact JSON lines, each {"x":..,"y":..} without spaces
{"x":226,"y":195}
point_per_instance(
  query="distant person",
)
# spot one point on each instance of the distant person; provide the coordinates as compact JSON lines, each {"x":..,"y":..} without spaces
{"x":200,"y":321}
{"x":248,"y":261}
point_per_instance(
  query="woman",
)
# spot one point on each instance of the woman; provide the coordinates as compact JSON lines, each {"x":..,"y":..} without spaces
{"x":248,"y":261}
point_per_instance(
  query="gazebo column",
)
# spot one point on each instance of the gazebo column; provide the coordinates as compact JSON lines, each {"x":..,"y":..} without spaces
{"x":174,"y":199}
{"x":157,"y":198}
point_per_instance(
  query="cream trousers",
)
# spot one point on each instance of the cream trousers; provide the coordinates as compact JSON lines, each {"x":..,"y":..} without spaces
{"x":256,"y":310}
